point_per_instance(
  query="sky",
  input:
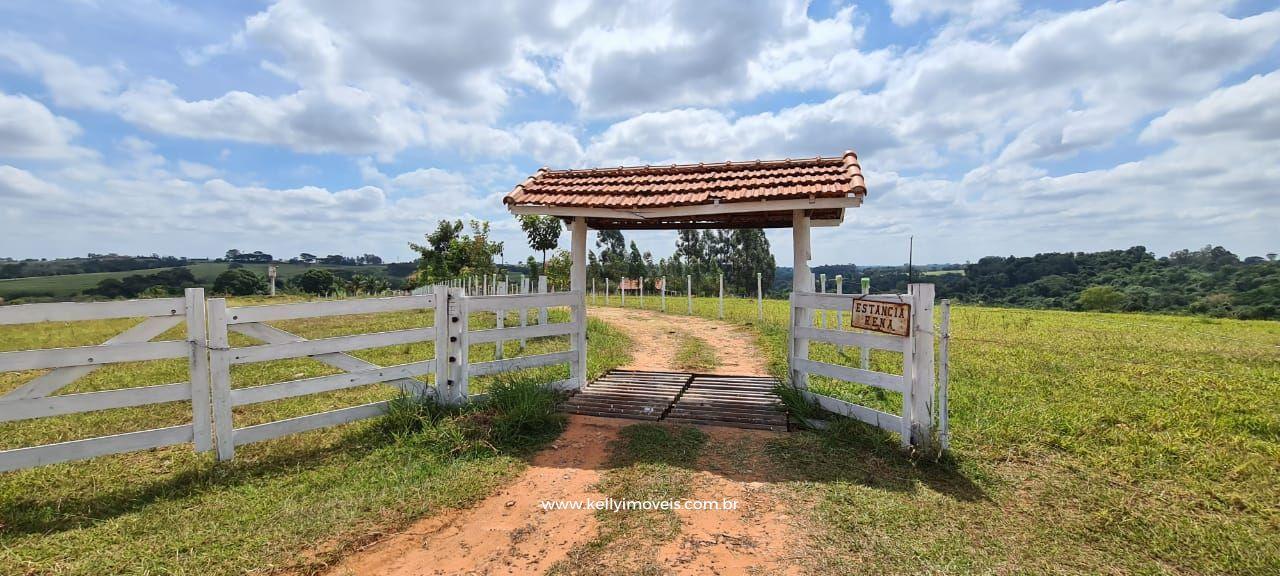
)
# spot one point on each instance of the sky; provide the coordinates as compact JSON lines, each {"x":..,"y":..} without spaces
{"x":991,"y":127}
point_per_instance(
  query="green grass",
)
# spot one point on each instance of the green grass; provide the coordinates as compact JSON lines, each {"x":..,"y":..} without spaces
{"x":68,"y":285}
{"x":291,"y":503}
{"x":693,"y":354}
{"x":648,"y":462}
{"x":1081,"y":443}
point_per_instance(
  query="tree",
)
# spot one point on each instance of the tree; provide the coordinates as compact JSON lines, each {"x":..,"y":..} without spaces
{"x":1103,"y":298}
{"x":635,"y":262}
{"x":233,"y":254}
{"x":317,"y":281}
{"x":613,"y":253}
{"x":449,"y":253}
{"x":307,"y":258}
{"x":543,"y":233}
{"x":239,"y":282}
{"x":749,"y":255}
{"x":558,"y":268}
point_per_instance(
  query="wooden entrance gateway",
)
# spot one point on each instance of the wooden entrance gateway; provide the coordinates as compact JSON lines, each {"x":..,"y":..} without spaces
{"x":794,"y":193}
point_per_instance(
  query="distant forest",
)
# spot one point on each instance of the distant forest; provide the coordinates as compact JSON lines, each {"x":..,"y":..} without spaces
{"x":1210,"y":281}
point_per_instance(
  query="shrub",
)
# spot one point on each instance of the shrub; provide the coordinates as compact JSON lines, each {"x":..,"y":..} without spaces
{"x":239,"y":282}
{"x":524,"y":411}
{"x":317,"y":281}
{"x":1103,"y":298}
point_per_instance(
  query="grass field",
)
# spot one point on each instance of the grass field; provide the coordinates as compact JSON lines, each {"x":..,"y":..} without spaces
{"x":291,"y":503}
{"x":67,"y":285}
{"x":1082,"y":443}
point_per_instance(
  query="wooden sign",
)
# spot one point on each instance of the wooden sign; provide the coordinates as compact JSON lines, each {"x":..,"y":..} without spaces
{"x":629,"y":284}
{"x":887,"y":317}
{"x":659,"y":283}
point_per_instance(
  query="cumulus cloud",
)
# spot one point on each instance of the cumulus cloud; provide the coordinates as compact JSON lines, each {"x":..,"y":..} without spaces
{"x":29,"y":130}
{"x":1250,"y":109}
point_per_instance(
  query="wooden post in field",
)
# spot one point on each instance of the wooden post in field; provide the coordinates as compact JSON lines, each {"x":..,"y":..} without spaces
{"x":688,"y":286}
{"x":542,"y":288}
{"x":759,"y":299}
{"x":271,"y":280}
{"x":722,"y":296}
{"x":444,"y":330}
{"x":664,"y":294}
{"x":606,"y":291}
{"x":622,"y":289}
{"x":524,"y":311}
{"x":865,"y":353}
{"x":593,"y":292}
{"x":922,"y":383}
{"x":642,"y":292}
{"x":198,"y":371}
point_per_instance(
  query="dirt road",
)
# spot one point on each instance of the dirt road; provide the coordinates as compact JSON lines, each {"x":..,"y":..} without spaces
{"x":510,"y":533}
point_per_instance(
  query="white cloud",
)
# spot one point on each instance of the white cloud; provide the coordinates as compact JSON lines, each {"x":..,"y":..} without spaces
{"x":1249,"y":110}
{"x":29,"y":130}
{"x":196,"y":170}
{"x":16,"y":183}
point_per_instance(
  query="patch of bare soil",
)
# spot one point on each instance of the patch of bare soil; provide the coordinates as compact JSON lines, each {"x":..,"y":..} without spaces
{"x":655,"y":336}
{"x":509,"y":533}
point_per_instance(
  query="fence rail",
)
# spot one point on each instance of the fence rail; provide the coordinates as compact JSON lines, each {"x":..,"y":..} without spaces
{"x":210,"y":358}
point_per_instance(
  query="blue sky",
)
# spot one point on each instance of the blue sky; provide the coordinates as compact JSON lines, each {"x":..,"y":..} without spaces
{"x":992,"y":127}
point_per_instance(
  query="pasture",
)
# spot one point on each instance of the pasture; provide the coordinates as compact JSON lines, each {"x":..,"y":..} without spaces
{"x":68,"y":285}
{"x":294,"y":502}
{"x":1081,"y":443}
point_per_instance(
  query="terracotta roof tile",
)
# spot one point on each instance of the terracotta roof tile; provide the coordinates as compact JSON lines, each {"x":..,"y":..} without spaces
{"x":693,"y":184}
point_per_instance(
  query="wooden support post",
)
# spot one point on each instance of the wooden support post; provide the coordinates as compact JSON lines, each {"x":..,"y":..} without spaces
{"x":578,"y":283}
{"x":664,"y":294}
{"x":922,"y":383}
{"x":198,"y":369}
{"x":593,"y":292}
{"x":622,"y":288}
{"x":220,"y":379}
{"x":461,"y":355}
{"x":606,"y":291}
{"x":822,"y":289}
{"x":722,"y":296}
{"x":642,"y":292}
{"x":688,"y":286}
{"x":802,"y":282}
{"x":542,"y":288}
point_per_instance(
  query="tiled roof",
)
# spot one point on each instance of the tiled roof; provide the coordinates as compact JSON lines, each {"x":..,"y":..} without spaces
{"x":693,"y":184}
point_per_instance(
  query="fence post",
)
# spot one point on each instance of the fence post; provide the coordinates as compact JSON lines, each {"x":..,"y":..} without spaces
{"x":944,"y":371}
{"x":593,"y":292}
{"x":524,"y":311}
{"x":839,"y":311}
{"x":688,"y":286}
{"x":722,"y":296}
{"x":822,"y":289}
{"x":606,"y":291}
{"x":499,"y":321}
{"x":198,"y":369}
{"x":664,"y":294}
{"x":922,"y":383}
{"x":444,"y":333}
{"x":220,"y":379}
{"x":642,"y":292}
{"x":622,"y":289}
{"x":865,"y":353}
{"x":542,"y":288}
{"x":759,"y":299}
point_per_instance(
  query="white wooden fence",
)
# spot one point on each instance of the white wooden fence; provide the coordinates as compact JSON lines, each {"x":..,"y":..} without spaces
{"x":210,"y":358}
{"x":35,"y":398}
{"x":915,"y":423}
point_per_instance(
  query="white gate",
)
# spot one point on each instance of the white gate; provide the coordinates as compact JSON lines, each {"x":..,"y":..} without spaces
{"x":915,"y":423}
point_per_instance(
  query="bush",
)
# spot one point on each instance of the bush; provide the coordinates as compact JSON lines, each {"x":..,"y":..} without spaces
{"x":1103,"y":298}
{"x":525,"y":411}
{"x":317,"y":281}
{"x":239,"y":282}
